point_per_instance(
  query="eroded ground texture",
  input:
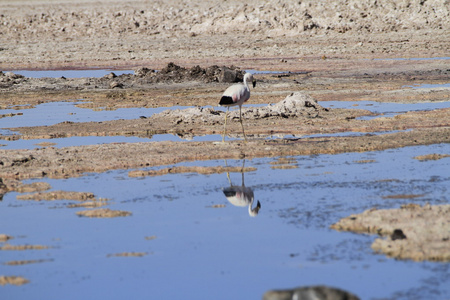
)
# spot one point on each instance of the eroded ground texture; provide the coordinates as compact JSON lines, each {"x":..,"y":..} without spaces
{"x":340,"y":50}
{"x":424,"y":239}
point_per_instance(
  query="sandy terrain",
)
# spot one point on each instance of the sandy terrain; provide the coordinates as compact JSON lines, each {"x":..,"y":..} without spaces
{"x":332,"y":49}
{"x":65,"y":33}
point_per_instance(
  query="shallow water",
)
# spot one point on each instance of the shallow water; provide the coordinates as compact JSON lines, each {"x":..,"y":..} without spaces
{"x":416,"y":58}
{"x":97,"y":140}
{"x":201,"y":252}
{"x":205,"y":247}
{"x":385,"y":109}
{"x":51,"y":113}
{"x":429,"y":86}
{"x":70,"y":73}
{"x":102,"y":72}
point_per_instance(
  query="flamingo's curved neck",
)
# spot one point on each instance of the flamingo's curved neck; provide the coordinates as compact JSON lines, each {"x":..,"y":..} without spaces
{"x":246,"y":83}
{"x":250,"y":205}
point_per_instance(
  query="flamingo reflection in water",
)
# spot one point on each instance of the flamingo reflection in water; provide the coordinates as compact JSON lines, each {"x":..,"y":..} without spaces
{"x":241,"y":195}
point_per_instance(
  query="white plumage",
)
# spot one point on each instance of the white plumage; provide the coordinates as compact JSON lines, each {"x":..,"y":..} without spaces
{"x":241,"y":195}
{"x":236,"y":94}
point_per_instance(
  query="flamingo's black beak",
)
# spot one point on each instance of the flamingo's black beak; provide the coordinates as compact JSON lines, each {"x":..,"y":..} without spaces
{"x":256,"y":209}
{"x":254,"y":83}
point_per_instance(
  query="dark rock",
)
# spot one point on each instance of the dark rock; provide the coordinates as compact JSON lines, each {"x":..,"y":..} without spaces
{"x":228,"y":75}
{"x":398,"y":235}
{"x":310,"y":293}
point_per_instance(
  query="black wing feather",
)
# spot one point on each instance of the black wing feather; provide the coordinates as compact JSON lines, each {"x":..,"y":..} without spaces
{"x":226,"y":100}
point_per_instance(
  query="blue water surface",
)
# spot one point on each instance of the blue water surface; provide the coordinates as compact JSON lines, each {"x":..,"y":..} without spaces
{"x":207,"y":248}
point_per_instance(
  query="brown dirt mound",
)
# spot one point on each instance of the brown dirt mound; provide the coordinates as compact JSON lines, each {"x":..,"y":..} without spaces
{"x":172,"y":73}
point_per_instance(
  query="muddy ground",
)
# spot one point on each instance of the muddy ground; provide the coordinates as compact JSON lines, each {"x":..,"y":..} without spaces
{"x":328,"y":51}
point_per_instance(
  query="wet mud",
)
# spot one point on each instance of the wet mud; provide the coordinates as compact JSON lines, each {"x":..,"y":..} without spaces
{"x":57,"y":195}
{"x":431,"y":157}
{"x":103,"y":213}
{"x":194,"y":169}
{"x":9,"y":247}
{"x":142,"y":78}
{"x":26,"y":262}
{"x":13,"y":280}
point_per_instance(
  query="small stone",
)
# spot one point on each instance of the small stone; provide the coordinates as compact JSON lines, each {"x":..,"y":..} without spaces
{"x":398,"y":235}
{"x":228,"y":75}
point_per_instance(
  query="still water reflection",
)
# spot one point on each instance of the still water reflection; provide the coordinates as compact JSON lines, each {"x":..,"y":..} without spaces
{"x":240,"y":195}
{"x":198,"y":248}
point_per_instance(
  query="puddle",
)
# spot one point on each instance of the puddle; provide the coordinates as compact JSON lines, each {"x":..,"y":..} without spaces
{"x":51,"y":113}
{"x":337,"y":134}
{"x":254,"y":72}
{"x":263,"y":72}
{"x":416,"y":58}
{"x":350,"y":133}
{"x":200,"y":239}
{"x":97,"y":140}
{"x":385,"y":109}
{"x":69,"y":73}
{"x":429,"y":86}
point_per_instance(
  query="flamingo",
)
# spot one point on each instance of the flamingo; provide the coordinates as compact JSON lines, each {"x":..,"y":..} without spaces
{"x":236,"y":94}
{"x":241,"y":195}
